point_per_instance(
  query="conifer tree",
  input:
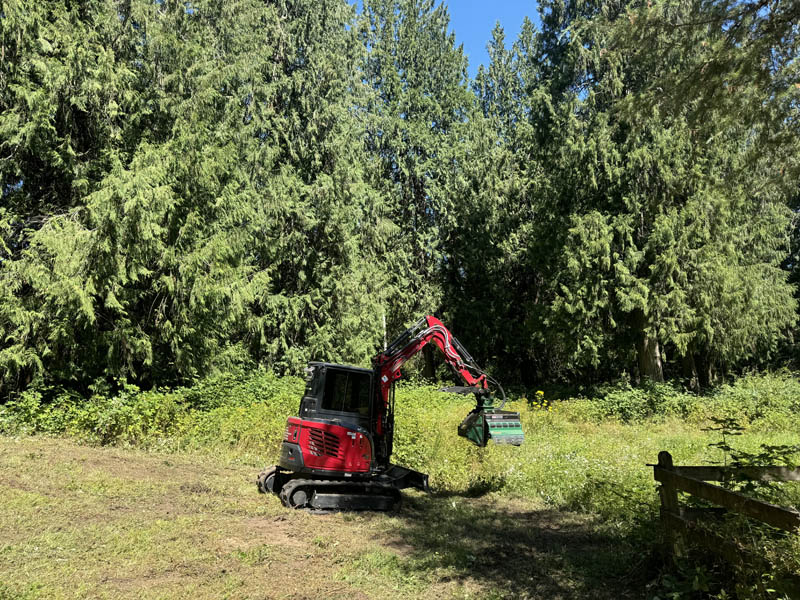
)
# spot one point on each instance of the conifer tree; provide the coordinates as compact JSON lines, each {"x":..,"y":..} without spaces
{"x":189,"y":186}
{"x":417,"y":78}
{"x":225,"y":217}
{"x":493,"y":287}
{"x":672,"y":241}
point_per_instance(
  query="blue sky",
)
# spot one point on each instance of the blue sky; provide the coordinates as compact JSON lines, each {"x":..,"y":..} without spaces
{"x":473,"y":20}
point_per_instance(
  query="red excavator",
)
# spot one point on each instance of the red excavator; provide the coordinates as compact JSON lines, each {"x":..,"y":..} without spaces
{"x":335,"y":453}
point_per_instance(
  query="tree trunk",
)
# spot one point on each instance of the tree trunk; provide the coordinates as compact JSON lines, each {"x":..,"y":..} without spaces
{"x":690,"y":371}
{"x":647,"y":351}
{"x":429,"y":370}
{"x":707,"y":373}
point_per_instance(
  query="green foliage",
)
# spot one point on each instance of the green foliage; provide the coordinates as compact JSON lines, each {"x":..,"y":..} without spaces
{"x":225,"y":411}
{"x":585,"y":455}
{"x":632,"y":404}
{"x":416,"y":102}
{"x":426,"y":422}
{"x":189,"y":189}
{"x":759,"y":400}
{"x":221,"y":215}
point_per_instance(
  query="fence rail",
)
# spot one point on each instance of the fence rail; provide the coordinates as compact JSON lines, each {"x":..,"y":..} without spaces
{"x":680,"y":523}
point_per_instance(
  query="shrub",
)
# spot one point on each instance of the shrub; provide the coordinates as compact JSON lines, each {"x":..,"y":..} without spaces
{"x":630,"y":404}
{"x":765,"y":400}
{"x":23,"y":414}
{"x":226,"y":410}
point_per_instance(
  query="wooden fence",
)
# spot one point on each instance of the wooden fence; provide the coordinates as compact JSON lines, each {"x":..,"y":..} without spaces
{"x":680,"y":522}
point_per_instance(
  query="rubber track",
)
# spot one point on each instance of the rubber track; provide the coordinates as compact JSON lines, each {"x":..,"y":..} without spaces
{"x":261,"y":481}
{"x":348,"y":487}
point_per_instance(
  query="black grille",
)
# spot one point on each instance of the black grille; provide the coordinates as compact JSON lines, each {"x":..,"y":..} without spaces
{"x":322,"y":442}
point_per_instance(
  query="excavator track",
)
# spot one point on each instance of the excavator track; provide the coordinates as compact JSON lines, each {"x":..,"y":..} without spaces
{"x":380,"y":492}
{"x":322,"y":494}
{"x":266,"y":480}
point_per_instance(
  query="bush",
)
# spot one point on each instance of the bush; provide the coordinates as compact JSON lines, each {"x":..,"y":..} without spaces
{"x":630,"y":404}
{"x":22,"y":415}
{"x":227,"y":410}
{"x":765,"y":400}
{"x":240,"y":388}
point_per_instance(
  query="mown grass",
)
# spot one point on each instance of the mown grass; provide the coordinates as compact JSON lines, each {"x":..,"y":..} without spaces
{"x":103,"y":522}
{"x":581,"y":457}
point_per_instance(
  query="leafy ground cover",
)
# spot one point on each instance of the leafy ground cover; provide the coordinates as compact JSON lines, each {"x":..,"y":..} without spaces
{"x":151,"y":494}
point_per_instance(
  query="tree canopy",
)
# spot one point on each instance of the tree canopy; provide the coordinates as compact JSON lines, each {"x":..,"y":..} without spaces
{"x":187,"y":187}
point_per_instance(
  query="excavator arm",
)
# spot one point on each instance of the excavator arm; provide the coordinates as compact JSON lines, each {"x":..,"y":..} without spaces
{"x":484,"y":422}
{"x":427,"y":330}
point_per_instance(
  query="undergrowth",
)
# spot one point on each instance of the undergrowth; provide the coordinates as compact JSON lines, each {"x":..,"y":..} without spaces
{"x":763,"y":401}
{"x":580,"y":454}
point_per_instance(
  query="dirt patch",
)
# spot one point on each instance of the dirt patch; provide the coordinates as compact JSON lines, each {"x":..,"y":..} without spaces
{"x":278,"y":532}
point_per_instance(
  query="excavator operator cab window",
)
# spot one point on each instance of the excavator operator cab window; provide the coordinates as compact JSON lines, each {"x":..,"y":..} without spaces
{"x":347,"y":392}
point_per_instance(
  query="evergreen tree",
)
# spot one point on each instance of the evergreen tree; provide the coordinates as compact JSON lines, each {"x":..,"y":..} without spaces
{"x":739,"y":71}
{"x":418,"y":99}
{"x":671,"y":240}
{"x":188,"y":186}
{"x":67,"y":98}
{"x":493,"y":270}
{"x":226,"y":216}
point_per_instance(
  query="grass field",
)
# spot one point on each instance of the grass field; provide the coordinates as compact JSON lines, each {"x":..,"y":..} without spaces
{"x":153,"y":496}
{"x":86,"y":522}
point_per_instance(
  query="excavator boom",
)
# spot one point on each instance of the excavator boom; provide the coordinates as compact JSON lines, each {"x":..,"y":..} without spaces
{"x":486,"y":421}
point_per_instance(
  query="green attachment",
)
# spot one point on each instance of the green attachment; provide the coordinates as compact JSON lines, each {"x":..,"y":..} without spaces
{"x":505,"y":427}
{"x":485,"y":423}
{"x":474,"y":428}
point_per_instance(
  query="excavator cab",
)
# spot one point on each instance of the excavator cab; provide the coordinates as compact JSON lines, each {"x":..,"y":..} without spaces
{"x":337,"y":393}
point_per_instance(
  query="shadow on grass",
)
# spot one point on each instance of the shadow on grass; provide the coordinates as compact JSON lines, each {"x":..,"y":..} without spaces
{"x":476,"y":489}
{"x":521,"y":553}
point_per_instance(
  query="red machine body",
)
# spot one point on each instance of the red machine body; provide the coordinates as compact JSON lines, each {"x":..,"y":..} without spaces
{"x":328,"y":447}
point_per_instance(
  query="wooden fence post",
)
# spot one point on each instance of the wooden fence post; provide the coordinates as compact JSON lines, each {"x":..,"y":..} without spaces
{"x":679,"y":523}
{"x":669,"y":505}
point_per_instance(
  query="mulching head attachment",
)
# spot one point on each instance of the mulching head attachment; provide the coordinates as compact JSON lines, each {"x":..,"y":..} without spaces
{"x":485,"y":423}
